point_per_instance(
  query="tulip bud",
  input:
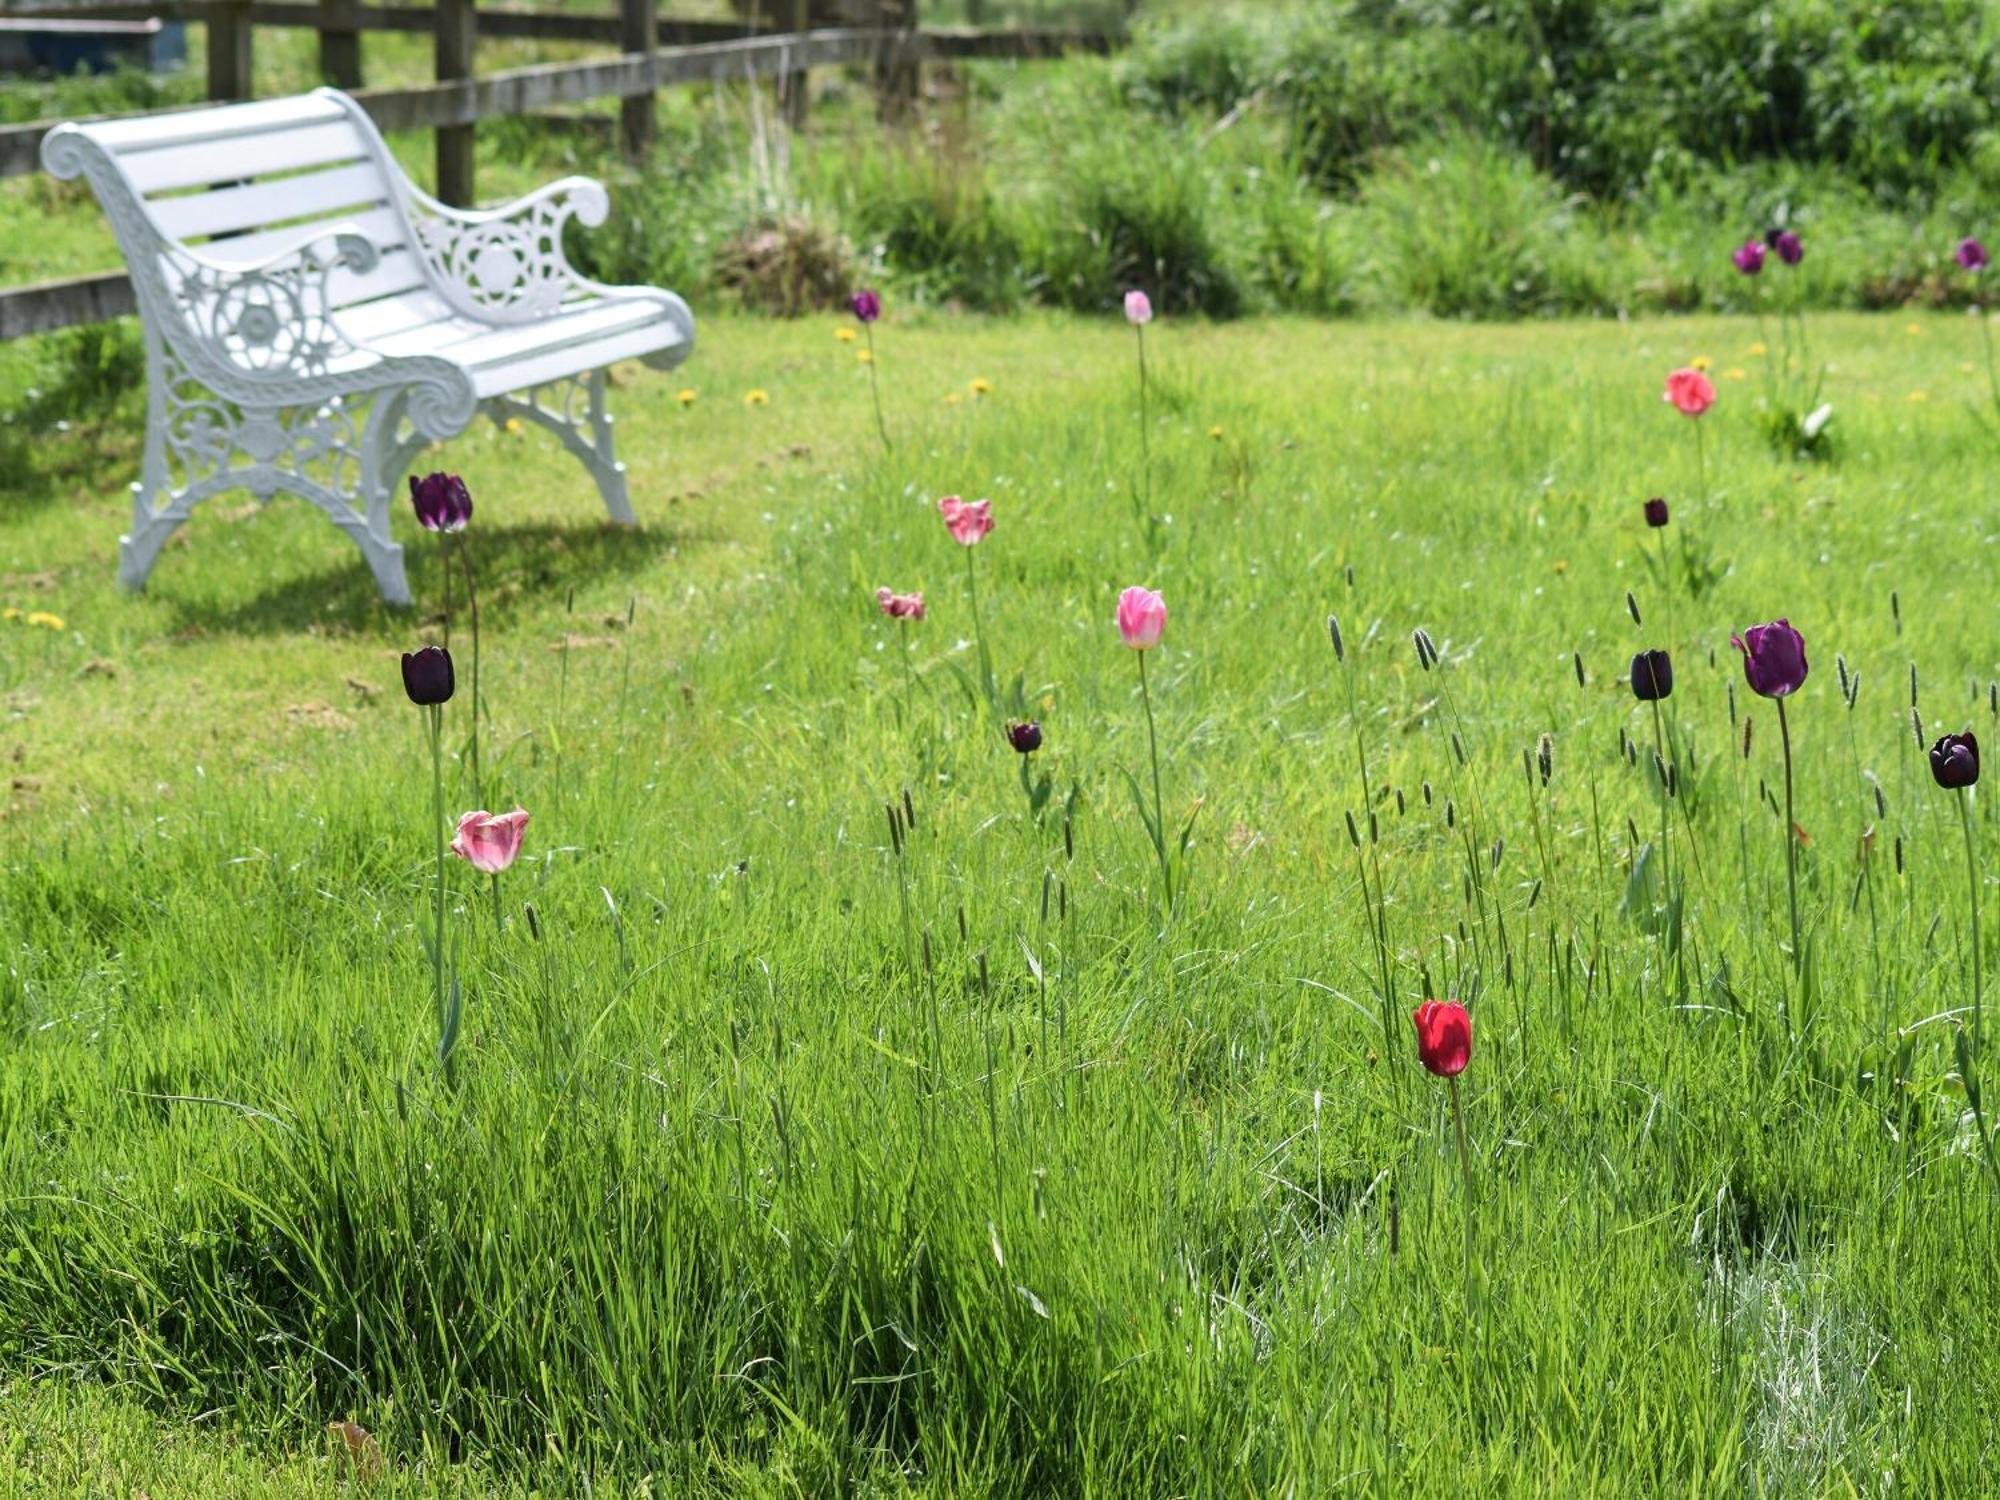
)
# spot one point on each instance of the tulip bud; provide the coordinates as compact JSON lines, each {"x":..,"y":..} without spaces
{"x":441,"y":501}
{"x":427,"y":676}
{"x":1955,"y":761}
{"x":1652,"y":676}
{"x":1656,"y":511}
{"x":1025,"y":738}
{"x":1774,"y":658}
{"x":866,"y":305}
{"x":1444,"y":1037}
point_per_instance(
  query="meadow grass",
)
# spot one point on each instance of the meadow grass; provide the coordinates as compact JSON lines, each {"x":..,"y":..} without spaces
{"x":781,"y":1163}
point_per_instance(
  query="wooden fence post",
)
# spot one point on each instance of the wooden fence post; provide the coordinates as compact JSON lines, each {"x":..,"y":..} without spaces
{"x":456,"y":31}
{"x":229,"y":61}
{"x":638,"y":31}
{"x":340,"y":43}
{"x":796,"y":85}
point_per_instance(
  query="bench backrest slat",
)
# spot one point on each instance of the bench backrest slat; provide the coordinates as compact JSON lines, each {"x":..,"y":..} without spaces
{"x":238,"y":181}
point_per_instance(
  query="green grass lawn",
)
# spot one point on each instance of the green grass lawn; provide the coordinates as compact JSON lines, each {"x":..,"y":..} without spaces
{"x":779,"y":1164}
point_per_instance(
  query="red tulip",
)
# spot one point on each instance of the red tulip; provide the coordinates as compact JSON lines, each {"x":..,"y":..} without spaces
{"x":1444,"y":1036}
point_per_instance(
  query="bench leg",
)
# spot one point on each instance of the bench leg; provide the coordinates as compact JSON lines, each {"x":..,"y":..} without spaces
{"x":198,"y":445}
{"x":574,"y":410}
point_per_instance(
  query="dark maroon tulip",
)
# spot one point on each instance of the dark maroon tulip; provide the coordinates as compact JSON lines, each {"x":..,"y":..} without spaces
{"x":1656,"y":512}
{"x":867,"y":305}
{"x":1652,"y":676}
{"x":1026,"y":738}
{"x":1955,"y":760}
{"x":1774,"y":658}
{"x":1971,"y":254}
{"x":441,"y":501}
{"x":1791,"y":249}
{"x":427,"y":675}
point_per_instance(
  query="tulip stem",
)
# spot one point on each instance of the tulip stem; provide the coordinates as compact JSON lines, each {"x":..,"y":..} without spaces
{"x":472,"y":614}
{"x":1791,"y":844}
{"x":1700,"y":463}
{"x":875,"y":389}
{"x":1972,"y":1062}
{"x":437,"y":831}
{"x":444,"y":560}
{"x":1465,"y":1178}
{"x":1159,"y":822}
{"x":979,"y":631}
{"x":1660,"y":752}
{"x":1972,"y":874}
{"x":1145,"y":425}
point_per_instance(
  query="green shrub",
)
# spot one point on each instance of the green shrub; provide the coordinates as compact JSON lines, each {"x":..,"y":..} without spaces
{"x":1466,"y":229}
{"x":929,"y":216}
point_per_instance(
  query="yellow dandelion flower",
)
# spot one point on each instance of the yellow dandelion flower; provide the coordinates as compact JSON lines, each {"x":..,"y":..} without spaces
{"x":44,"y":618}
{"x":866,"y":356}
{"x":1562,"y":565}
{"x":10,"y":613}
{"x":1918,"y":396}
{"x":1701,"y":362}
{"x":981,"y":386}
{"x":1736,"y":372}
{"x":1216,"y":433}
{"x":952,"y":398}
{"x":759,"y":397}
{"x":1757,"y":350}
{"x":845,"y":335}
{"x":1913,"y":328}
{"x":685,"y":395}
{"x":514,"y":428}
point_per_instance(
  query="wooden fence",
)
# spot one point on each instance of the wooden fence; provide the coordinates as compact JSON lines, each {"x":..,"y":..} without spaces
{"x":654,"y":53}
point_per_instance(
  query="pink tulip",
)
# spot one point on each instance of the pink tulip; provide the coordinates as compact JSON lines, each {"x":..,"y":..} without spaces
{"x":900,"y":606}
{"x":489,"y":841}
{"x":1142,"y":616}
{"x":1689,"y":392}
{"x":966,"y":520}
{"x":1138,"y":307}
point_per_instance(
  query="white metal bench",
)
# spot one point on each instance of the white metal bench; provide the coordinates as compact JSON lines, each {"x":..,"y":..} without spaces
{"x":313,"y":320}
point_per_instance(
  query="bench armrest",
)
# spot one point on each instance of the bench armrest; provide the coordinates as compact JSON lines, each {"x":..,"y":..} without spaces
{"x":506,"y":264}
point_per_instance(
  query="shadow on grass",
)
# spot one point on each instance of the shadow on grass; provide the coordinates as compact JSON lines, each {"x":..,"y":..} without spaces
{"x":519,"y":570}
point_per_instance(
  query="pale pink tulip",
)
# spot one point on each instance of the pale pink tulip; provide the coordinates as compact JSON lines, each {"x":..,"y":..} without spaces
{"x":1142,"y":616}
{"x":966,"y":520}
{"x":900,"y":606}
{"x":1689,"y":392}
{"x":490,"y":841}
{"x":1138,"y":307}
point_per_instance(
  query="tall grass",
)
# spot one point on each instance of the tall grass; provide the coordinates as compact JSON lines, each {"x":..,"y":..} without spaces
{"x":745,"y":1190}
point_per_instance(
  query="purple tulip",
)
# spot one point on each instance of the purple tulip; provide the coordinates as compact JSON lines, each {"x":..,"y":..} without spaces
{"x":1656,"y":512}
{"x":441,"y":501}
{"x":1025,"y":738}
{"x":866,"y":304}
{"x":1652,"y":676}
{"x":427,"y":676}
{"x":1774,"y":658}
{"x":1955,"y":760}
{"x":1748,"y":257}
{"x":1791,"y":249}
{"x":1971,"y":254}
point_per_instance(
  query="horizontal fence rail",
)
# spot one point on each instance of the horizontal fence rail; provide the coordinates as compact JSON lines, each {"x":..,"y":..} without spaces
{"x":50,"y":305}
{"x":308,"y":15}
